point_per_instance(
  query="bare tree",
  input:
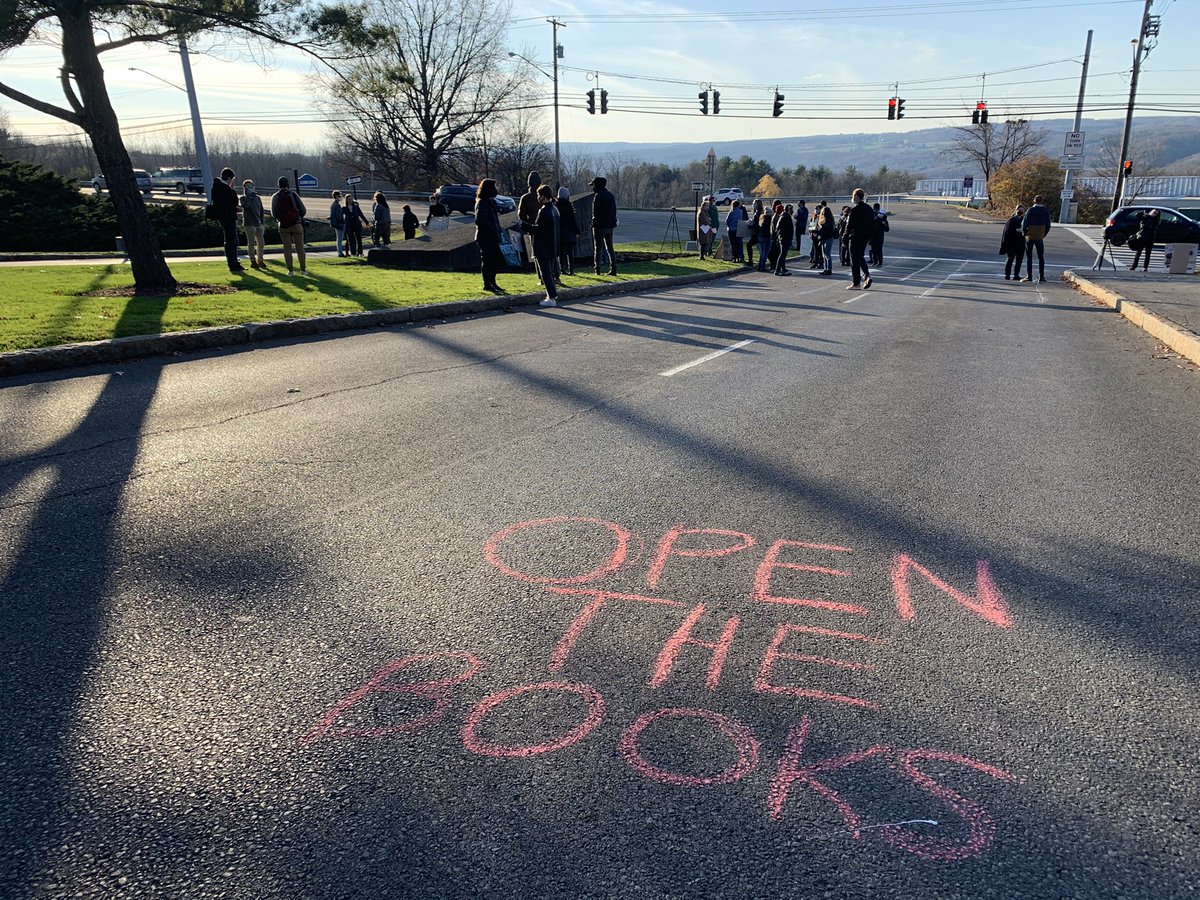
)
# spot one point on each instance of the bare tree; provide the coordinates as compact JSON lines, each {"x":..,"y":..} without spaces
{"x":409,"y":105}
{"x":1146,"y":155}
{"x":520,"y":148}
{"x":992,"y":145}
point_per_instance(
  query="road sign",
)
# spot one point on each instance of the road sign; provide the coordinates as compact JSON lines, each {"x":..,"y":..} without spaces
{"x":697,"y":185}
{"x":306,"y":181}
{"x":1074,"y":144}
{"x":1067,"y":195}
{"x":353,"y":180}
{"x":1070,"y":162}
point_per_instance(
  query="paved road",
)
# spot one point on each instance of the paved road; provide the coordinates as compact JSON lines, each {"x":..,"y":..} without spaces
{"x":897,"y":598}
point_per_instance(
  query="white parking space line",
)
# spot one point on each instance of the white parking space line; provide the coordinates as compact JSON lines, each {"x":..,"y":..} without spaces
{"x":704,"y":359}
{"x":962,"y":266}
{"x":920,"y":270}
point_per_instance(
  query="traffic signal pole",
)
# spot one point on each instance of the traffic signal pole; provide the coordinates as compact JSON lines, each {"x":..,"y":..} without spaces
{"x":1133,"y":80}
{"x":554,"y":26}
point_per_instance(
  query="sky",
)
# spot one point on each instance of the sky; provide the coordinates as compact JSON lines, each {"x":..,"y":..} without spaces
{"x":836,"y":66}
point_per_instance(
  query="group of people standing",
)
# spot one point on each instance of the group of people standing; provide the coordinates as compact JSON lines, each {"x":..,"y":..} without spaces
{"x":286,"y":208}
{"x":550,"y":227}
{"x":1024,"y":234}
{"x":775,"y":229}
{"x":347,"y":219}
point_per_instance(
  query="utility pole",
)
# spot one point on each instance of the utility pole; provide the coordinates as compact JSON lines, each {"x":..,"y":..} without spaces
{"x":1149,"y":29}
{"x":1064,"y":211}
{"x":556,"y":52}
{"x":197,"y":128}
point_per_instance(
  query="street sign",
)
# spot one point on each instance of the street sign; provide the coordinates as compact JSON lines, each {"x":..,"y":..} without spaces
{"x":353,"y":180}
{"x":1070,"y":162}
{"x":306,"y":181}
{"x":1067,"y":195}
{"x":697,"y":185}
{"x":1074,"y":144}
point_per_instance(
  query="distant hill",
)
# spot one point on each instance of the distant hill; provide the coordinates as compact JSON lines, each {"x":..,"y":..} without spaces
{"x":914,"y":151}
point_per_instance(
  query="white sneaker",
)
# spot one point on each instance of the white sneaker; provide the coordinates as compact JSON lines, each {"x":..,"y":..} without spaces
{"x":289,"y":273}
{"x":547,"y":302}
{"x":304,"y":271}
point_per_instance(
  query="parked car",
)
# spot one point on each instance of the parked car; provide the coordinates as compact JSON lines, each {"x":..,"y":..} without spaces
{"x":505,"y":203}
{"x":178,"y":179}
{"x":458,"y":197}
{"x":726,"y":196}
{"x":143,"y":181}
{"x":1173,"y":226}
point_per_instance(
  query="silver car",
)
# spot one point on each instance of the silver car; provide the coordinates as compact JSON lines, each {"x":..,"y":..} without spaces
{"x":141,"y":175}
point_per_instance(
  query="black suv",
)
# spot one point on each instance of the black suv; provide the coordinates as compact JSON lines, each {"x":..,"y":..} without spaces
{"x":1173,"y":226}
{"x":458,"y":197}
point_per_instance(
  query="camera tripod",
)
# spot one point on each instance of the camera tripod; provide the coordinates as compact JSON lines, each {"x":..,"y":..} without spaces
{"x":1099,"y":263}
{"x":672,"y":227}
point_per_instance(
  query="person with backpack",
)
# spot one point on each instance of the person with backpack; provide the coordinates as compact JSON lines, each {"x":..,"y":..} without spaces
{"x":381,"y":213}
{"x":337,"y":221}
{"x":1012,"y":245}
{"x":288,"y":210}
{"x":355,"y":220}
{"x":1035,"y":226}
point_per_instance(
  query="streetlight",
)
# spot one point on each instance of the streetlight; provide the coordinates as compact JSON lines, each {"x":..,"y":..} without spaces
{"x":557,"y":52}
{"x":197,"y":128}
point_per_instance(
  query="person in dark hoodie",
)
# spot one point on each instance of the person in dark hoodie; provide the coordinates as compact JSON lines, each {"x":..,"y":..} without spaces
{"x":1012,"y":245}
{"x":783,"y":226}
{"x":604,"y":220}
{"x":409,"y":222}
{"x":1036,"y":225}
{"x":568,"y":231}
{"x":1143,"y":241}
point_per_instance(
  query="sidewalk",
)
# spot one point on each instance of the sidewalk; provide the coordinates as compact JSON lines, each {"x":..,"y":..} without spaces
{"x":1166,"y":306}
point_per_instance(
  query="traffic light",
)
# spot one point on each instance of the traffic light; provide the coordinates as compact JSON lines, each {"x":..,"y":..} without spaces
{"x":591,"y":95}
{"x":899,"y":108}
{"x":891,"y":107}
{"x":603,"y":102}
{"x":778,"y":111}
{"x":703,"y":95}
{"x":716,"y":102}
{"x":1127,"y":167}
{"x":980,"y":116}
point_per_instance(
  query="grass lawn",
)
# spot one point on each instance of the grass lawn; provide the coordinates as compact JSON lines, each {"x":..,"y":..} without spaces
{"x":41,"y":306}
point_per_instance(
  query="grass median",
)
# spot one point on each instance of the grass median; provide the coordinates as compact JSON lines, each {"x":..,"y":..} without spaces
{"x":42,"y":306}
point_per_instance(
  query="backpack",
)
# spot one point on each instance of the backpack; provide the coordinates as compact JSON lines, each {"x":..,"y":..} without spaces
{"x":289,"y":215}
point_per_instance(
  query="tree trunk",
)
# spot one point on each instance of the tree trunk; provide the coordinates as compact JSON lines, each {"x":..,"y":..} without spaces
{"x":150,"y":272}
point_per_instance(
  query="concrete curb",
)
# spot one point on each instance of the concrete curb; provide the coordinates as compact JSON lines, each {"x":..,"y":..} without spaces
{"x":1178,"y":339}
{"x":68,"y":356}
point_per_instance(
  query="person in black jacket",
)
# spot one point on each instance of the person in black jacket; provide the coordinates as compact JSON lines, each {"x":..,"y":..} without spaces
{"x":1143,"y":241}
{"x":409,"y":222}
{"x":1012,"y":245}
{"x":225,"y":210}
{"x":860,"y":225}
{"x":783,"y":226}
{"x":604,"y":220}
{"x":881,"y":228}
{"x":487,"y":232}
{"x":568,"y":231}
{"x":545,"y":241}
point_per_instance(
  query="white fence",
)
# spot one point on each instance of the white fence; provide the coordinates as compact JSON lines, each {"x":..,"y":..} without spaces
{"x":1159,"y":186}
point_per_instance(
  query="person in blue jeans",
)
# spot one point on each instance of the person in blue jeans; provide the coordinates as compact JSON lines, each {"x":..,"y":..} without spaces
{"x":1035,"y":226}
